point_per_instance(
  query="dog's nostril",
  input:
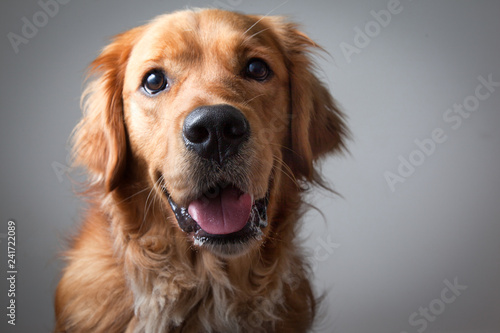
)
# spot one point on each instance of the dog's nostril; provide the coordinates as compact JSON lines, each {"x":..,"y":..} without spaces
{"x":215,"y":132}
{"x":235,"y":130}
{"x":197,"y":134}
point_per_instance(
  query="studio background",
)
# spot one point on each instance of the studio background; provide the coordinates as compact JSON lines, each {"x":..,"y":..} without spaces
{"x":413,"y":242}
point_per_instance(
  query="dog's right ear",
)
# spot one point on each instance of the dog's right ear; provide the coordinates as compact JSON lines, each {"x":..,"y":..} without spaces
{"x":317,"y":124}
{"x":99,"y":140}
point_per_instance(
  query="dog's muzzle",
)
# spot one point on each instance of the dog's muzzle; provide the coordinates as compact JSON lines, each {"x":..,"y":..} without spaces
{"x":223,"y":214}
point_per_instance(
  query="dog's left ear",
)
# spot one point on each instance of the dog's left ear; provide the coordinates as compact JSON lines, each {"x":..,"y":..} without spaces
{"x":100,"y":142}
{"x":316,"y":123}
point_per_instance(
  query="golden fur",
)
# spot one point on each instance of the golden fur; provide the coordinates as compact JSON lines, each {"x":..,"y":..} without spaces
{"x":130,"y":267}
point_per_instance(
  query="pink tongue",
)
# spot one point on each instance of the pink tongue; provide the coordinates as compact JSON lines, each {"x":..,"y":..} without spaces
{"x":226,"y":213}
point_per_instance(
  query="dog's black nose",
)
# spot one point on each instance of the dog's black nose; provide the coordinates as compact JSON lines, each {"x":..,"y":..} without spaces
{"x":215,"y":132}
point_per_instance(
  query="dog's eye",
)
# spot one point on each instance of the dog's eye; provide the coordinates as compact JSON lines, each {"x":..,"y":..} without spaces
{"x":154,"y":82}
{"x":258,"y":70}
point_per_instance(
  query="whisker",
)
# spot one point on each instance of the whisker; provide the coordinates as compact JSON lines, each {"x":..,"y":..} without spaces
{"x":146,"y":206}
{"x":133,"y":195}
{"x":287,"y":171}
{"x":279,"y":145}
{"x":255,"y":34}
{"x":251,"y":99}
{"x":267,"y":14}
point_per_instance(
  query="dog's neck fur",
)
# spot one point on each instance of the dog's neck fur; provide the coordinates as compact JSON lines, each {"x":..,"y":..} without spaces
{"x":178,"y":288}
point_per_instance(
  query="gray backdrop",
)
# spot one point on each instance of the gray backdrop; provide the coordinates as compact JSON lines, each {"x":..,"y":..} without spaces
{"x":414,"y":243}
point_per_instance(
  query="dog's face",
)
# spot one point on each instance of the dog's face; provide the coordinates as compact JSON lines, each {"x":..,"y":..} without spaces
{"x":212,"y":110}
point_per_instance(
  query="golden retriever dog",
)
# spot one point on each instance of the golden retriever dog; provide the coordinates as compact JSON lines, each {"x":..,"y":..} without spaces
{"x":200,"y":134}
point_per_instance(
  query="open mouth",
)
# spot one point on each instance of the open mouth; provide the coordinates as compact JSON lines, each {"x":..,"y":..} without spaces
{"x":223,"y":215}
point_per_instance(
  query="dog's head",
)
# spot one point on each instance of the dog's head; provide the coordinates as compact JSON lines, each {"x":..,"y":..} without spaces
{"x":218,"y":113}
